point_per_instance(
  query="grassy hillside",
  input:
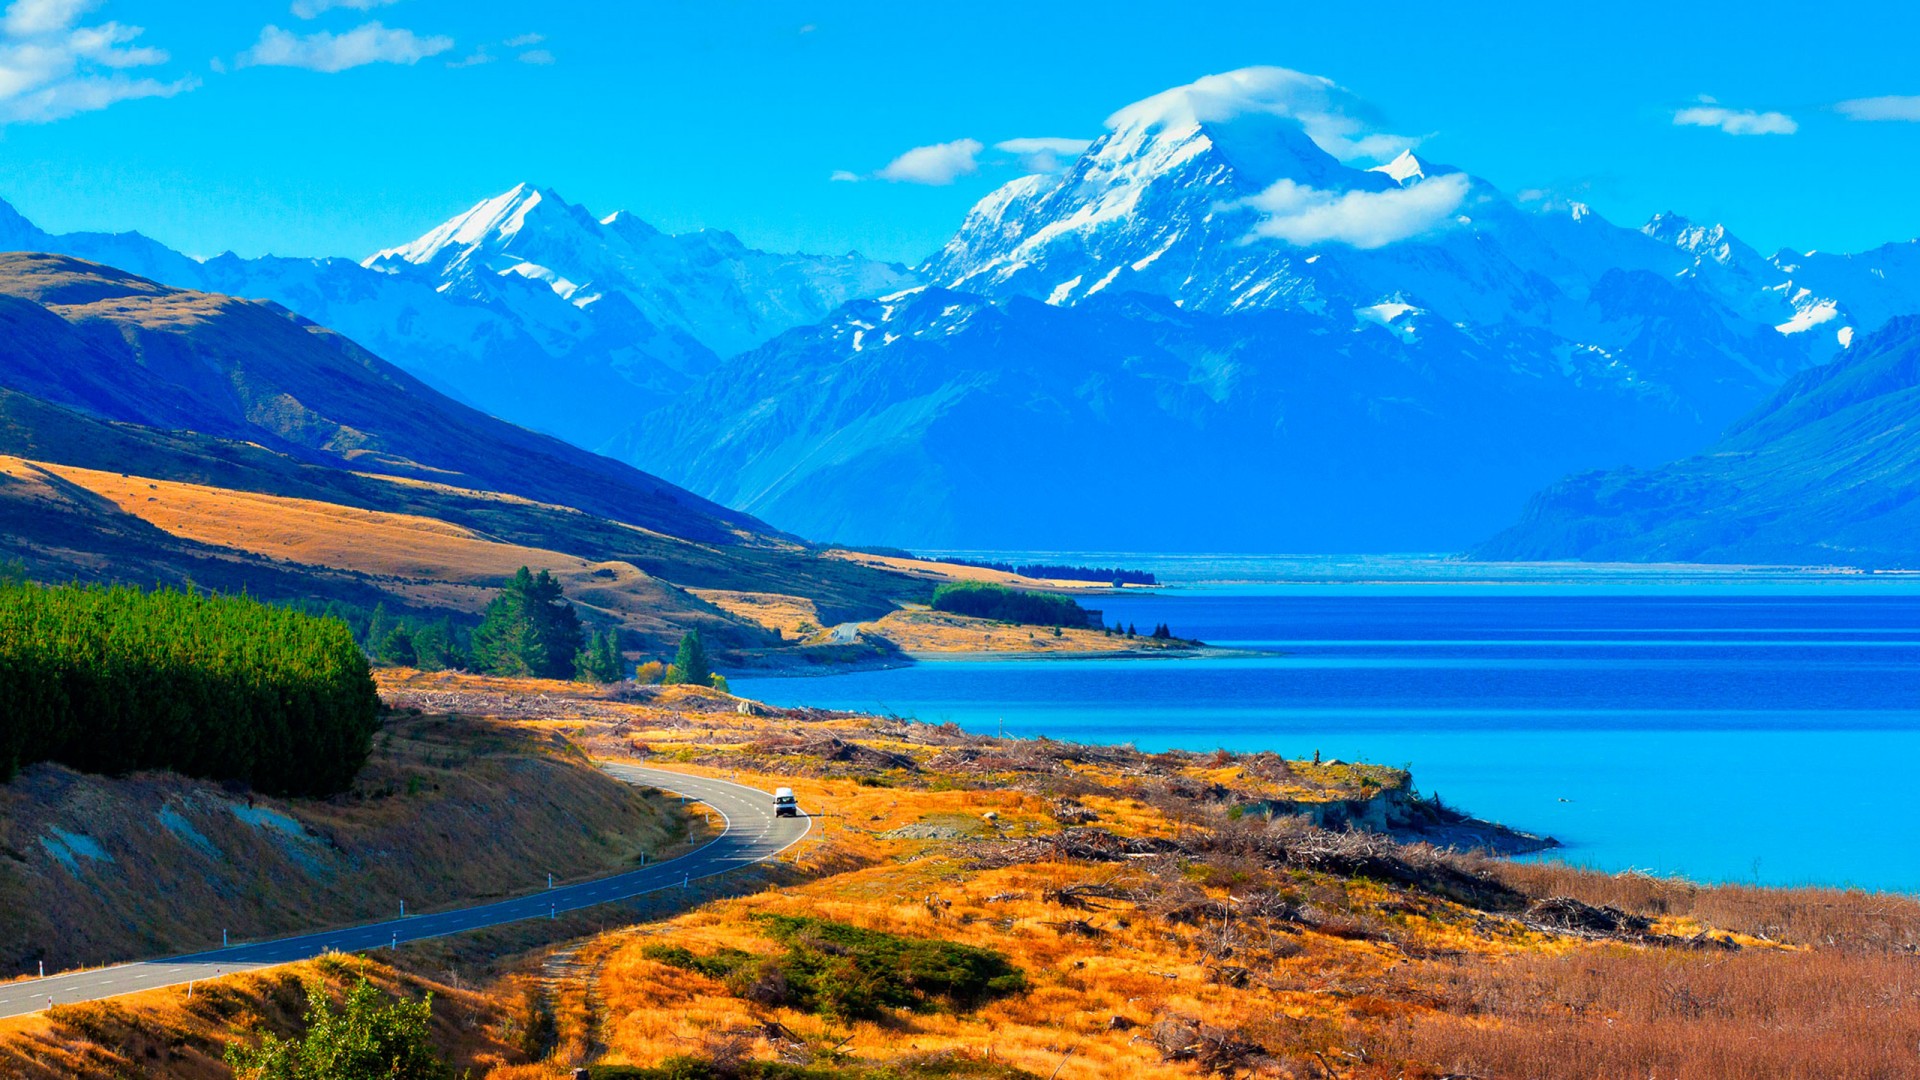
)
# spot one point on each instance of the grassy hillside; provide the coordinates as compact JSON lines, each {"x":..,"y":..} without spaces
{"x":447,"y":810}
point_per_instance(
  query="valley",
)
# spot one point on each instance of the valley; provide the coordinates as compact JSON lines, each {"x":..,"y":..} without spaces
{"x":447,"y":631}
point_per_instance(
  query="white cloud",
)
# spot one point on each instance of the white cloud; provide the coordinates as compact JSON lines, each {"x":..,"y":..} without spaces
{"x":524,"y":40}
{"x":1043,"y":155}
{"x":536,"y":56}
{"x":1303,"y":215}
{"x":842,"y":176}
{"x":474,"y":59}
{"x":86,"y":94}
{"x":31,"y":18}
{"x":51,"y":67}
{"x":1337,"y":119}
{"x":941,"y":163}
{"x":1711,"y":114}
{"x":1890,"y":107}
{"x":371,"y":43}
{"x":308,"y":9}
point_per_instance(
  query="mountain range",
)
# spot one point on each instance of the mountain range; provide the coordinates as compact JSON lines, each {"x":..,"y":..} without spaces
{"x":1215,"y":328}
{"x":1826,"y":472}
{"x":1209,"y":331}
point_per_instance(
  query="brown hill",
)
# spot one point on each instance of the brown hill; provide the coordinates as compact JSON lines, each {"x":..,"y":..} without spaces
{"x":155,"y":435}
{"x":119,"y":347}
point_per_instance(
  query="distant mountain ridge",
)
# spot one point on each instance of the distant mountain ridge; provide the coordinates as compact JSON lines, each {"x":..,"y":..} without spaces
{"x":1826,"y":472}
{"x":526,"y":306}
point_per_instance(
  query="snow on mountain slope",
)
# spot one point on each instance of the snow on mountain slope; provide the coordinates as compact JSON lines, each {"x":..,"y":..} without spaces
{"x":1243,"y":319}
{"x":705,"y":285}
{"x":1231,"y":194}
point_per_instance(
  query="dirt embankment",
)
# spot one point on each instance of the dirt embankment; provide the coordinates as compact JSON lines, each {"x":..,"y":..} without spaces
{"x":96,"y":869}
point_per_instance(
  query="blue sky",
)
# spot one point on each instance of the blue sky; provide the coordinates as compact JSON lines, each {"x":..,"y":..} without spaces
{"x":306,"y":127}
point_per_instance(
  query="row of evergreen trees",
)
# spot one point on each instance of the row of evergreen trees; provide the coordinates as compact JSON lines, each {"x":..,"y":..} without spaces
{"x":984,"y":600}
{"x":111,"y":680}
{"x":529,"y":630}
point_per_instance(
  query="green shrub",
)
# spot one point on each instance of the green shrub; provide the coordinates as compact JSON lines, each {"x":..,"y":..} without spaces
{"x":987,"y":601}
{"x":847,"y":972}
{"x":372,"y":1035}
{"x":111,"y":680}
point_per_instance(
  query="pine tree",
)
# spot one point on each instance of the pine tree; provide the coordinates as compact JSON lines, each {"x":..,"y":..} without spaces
{"x":599,"y":659}
{"x":529,"y":630}
{"x":396,"y":648}
{"x":690,"y":665}
{"x":434,"y":647}
{"x":377,"y":627}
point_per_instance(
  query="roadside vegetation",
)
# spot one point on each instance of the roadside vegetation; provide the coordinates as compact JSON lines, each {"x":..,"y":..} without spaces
{"x":223,"y":687}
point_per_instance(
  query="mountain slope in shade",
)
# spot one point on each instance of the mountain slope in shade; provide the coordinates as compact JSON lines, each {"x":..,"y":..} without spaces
{"x":942,"y":419}
{"x":1825,"y":472}
{"x":121,"y":347}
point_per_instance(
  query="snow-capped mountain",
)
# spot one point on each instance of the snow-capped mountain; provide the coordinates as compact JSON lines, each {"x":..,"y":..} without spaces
{"x":527,"y":306}
{"x":705,"y":285}
{"x":1221,"y":327}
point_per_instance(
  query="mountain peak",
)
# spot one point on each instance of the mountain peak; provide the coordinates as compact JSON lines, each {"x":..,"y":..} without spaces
{"x":1404,"y":168}
{"x":498,"y":218}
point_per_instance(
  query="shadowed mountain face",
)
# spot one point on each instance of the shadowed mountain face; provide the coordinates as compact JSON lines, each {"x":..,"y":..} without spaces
{"x":1126,"y":420}
{"x":120,"y":347}
{"x":1827,"y":471}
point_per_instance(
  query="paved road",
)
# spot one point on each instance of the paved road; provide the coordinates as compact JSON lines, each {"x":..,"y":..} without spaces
{"x":752,"y":835}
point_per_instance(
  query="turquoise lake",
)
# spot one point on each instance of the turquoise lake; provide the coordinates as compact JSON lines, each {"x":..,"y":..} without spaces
{"x":1721,"y":724}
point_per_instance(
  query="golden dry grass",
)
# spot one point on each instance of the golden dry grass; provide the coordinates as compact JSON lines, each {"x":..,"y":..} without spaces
{"x":446,"y":811}
{"x":935,"y":570}
{"x":1211,"y":946}
{"x":922,"y":631}
{"x":794,"y":618}
{"x":319,"y":533}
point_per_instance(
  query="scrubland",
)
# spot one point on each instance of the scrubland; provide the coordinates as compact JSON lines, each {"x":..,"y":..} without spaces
{"x":1169,"y":915}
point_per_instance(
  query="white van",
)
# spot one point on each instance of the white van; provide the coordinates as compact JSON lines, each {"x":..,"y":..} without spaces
{"x":784,"y":804}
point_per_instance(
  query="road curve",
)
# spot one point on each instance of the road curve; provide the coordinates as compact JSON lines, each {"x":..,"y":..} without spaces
{"x":752,"y":835}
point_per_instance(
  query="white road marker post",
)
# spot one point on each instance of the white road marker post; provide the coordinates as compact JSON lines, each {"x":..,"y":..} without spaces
{"x":549,"y":879}
{"x":223,"y":937}
{"x":43,"y":969}
{"x":553,"y":911}
{"x":403,"y":909}
{"x":395,"y":945}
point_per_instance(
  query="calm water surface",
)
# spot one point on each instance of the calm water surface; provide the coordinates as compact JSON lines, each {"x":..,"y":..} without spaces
{"x":1719,"y":725}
